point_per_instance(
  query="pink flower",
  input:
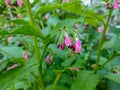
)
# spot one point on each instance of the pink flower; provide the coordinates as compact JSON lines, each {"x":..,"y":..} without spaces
{"x":78,"y":46}
{"x":76,"y":26}
{"x":61,"y":46}
{"x":116,"y":5}
{"x":19,"y":15}
{"x":47,"y":16}
{"x":11,"y":67}
{"x":19,"y":2}
{"x":7,"y":1}
{"x":48,"y":59}
{"x":74,"y":69}
{"x":108,"y":6}
{"x":67,"y":0}
{"x":63,"y":1}
{"x":9,"y":39}
{"x":25,"y":55}
{"x":67,"y":40}
{"x":100,"y":29}
{"x":5,"y":25}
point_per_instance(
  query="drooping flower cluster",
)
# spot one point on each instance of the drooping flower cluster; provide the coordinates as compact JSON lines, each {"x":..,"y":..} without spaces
{"x":76,"y":46}
{"x":19,"y":2}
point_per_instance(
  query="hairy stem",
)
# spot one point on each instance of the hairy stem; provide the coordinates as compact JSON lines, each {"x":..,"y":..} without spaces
{"x":32,"y":22}
{"x":101,"y":41}
{"x":56,"y":80}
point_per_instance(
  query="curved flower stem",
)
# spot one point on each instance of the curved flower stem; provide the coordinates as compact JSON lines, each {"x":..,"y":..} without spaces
{"x":56,"y":80}
{"x":101,"y":41}
{"x":32,"y":22}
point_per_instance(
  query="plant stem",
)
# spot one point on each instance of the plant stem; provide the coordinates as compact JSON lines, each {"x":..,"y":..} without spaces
{"x":56,"y":80}
{"x":32,"y":22}
{"x":101,"y":41}
{"x":43,"y":55}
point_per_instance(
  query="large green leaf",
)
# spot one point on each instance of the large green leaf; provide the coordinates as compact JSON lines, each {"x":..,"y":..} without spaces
{"x":25,"y":30}
{"x":113,"y":77}
{"x":20,"y":22}
{"x":10,"y":77}
{"x":57,"y":51}
{"x":68,"y":61}
{"x":116,"y":45}
{"x":73,"y":7}
{"x":86,"y":80}
{"x":47,"y":8}
{"x":15,"y":52}
{"x":4,"y":63}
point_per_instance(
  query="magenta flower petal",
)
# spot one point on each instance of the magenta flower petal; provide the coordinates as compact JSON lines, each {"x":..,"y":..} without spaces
{"x":78,"y":46}
{"x":67,"y":40}
{"x":76,"y":26}
{"x":25,"y":55}
{"x":19,"y":2}
{"x":9,"y":39}
{"x":61,"y":46}
{"x":7,"y":1}
{"x":115,"y":6}
{"x":100,"y":29}
{"x":48,"y":59}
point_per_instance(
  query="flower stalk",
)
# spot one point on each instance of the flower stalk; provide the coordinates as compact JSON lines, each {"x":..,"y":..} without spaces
{"x":101,"y":41}
{"x":32,"y":22}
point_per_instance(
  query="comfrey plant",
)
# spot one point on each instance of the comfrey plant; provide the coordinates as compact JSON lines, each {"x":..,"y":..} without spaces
{"x":59,"y":45}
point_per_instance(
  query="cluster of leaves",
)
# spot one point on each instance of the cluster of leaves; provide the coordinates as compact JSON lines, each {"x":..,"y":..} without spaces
{"x":68,"y":70}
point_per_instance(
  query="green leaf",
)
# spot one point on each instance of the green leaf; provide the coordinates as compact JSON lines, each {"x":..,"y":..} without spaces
{"x":4,"y":63}
{"x":25,"y":30}
{"x":112,"y":85}
{"x":68,"y":61}
{"x":86,"y":80}
{"x":94,"y":16}
{"x":58,"y":51}
{"x":108,"y":44}
{"x":115,"y":29}
{"x":20,"y":22}
{"x":115,"y":61}
{"x":10,"y":77}
{"x":12,"y":51}
{"x":113,"y":77}
{"x":116,"y":45}
{"x":73,"y":7}
{"x":79,"y":63}
{"x":47,"y":8}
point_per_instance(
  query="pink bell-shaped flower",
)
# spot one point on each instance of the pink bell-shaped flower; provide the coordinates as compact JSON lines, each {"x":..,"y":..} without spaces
{"x":48,"y":59}
{"x":100,"y":29}
{"x":19,"y":2}
{"x":76,"y":26}
{"x":116,"y":5}
{"x":7,"y":1}
{"x":9,"y":39}
{"x":77,"y":46}
{"x":67,"y":40}
{"x":61,"y":46}
{"x":25,"y":55}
